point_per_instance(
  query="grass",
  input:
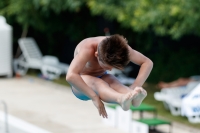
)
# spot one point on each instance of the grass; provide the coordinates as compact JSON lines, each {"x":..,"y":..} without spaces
{"x":151,"y":89}
{"x":61,"y":80}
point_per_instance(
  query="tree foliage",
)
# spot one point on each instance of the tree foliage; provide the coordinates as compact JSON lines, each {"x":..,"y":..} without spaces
{"x":34,"y":12}
{"x":166,"y":17}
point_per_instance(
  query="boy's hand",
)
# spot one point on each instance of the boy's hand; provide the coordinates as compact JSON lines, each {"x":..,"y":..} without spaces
{"x":100,"y":106}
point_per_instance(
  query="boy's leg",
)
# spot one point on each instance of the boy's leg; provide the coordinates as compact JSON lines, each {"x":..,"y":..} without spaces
{"x":108,"y":94}
{"x":119,"y":87}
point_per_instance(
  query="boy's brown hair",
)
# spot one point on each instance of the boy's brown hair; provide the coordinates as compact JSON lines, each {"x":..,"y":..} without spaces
{"x":114,"y":51}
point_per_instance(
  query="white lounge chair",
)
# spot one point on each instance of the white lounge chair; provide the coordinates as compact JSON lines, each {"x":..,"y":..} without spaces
{"x":172,"y":97}
{"x":174,"y":100}
{"x":191,"y":105}
{"x":121,"y":75}
{"x":32,"y":57}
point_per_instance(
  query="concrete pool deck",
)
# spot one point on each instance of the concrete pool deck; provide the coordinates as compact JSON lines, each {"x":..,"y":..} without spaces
{"x":54,"y":108}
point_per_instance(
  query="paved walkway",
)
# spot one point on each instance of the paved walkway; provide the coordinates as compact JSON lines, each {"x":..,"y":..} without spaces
{"x":54,"y":108}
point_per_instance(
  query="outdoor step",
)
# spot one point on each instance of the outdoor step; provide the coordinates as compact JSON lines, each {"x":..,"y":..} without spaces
{"x":154,"y":121}
{"x":149,"y":125}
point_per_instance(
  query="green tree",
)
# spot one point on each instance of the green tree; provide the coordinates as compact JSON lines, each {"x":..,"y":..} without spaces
{"x":165,"y":17}
{"x":33,"y":12}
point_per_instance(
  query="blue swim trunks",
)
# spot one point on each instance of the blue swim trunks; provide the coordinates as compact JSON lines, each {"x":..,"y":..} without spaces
{"x":81,"y":95}
{"x":102,"y":74}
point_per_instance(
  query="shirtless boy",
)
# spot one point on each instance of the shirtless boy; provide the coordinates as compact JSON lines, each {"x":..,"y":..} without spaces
{"x":89,"y":79}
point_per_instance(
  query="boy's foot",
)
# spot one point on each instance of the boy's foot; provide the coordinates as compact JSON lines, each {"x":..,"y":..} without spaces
{"x":140,"y":95}
{"x":126,"y":100}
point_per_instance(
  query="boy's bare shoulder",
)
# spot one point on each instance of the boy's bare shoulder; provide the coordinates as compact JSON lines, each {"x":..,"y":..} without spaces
{"x":89,"y":44}
{"x":94,"y":40}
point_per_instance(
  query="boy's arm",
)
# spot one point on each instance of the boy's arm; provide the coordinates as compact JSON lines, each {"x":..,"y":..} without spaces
{"x":74,"y":78}
{"x":75,"y":68}
{"x":145,"y":64}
